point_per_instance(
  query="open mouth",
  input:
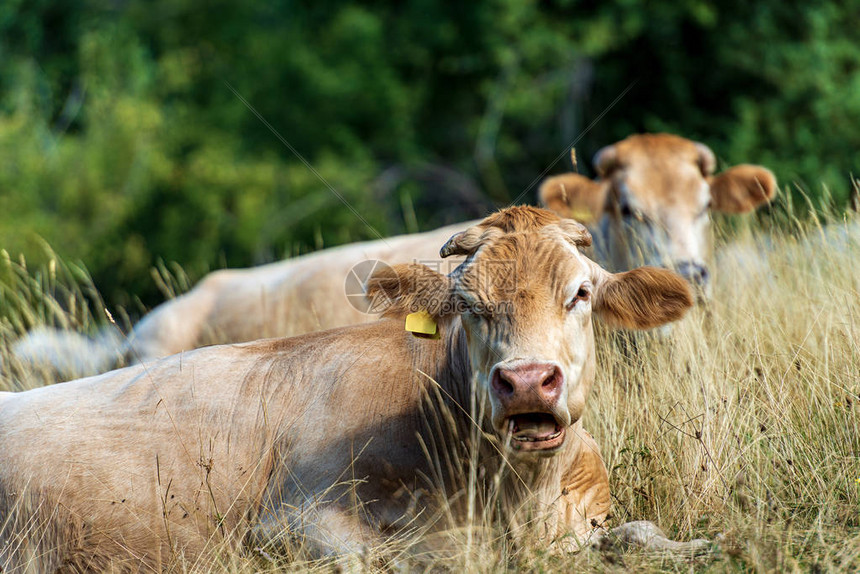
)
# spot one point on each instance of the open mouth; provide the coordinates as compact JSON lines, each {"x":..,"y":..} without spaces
{"x":535,"y":431}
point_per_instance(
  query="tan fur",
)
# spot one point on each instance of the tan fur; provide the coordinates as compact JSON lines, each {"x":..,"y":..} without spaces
{"x":520,"y":218}
{"x":263,"y":440}
{"x":467,"y":242}
{"x":575,"y":196}
{"x":742,"y":189}
{"x":409,"y":288}
{"x":651,"y":200}
{"x":653,"y":160}
{"x":643,"y":298}
{"x":585,"y":485}
{"x":606,"y":160}
{"x":638,"y":299}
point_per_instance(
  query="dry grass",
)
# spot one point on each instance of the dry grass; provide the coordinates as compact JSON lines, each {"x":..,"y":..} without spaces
{"x":744,"y":423}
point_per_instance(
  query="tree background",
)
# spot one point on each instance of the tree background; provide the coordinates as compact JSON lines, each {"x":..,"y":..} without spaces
{"x":122,"y":144}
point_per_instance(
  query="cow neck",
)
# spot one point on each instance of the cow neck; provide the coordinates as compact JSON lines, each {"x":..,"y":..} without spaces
{"x":454,"y":371}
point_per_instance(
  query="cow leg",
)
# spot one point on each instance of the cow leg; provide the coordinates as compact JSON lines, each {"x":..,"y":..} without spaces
{"x":647,"y":535}
{"x":585,"y":505}
{"x":585,"y":502}
{"x":325,"y":531}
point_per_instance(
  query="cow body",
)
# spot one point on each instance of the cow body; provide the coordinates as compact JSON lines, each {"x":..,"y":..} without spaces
{"x":281,"y":299}
{"x":142,"y":464}
{"x":290,"y":297}
{"x":340,"y":438}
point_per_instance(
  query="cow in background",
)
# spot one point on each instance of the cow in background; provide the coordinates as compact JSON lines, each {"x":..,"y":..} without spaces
{"x":652,"y":199}
{"x":286,"y":298}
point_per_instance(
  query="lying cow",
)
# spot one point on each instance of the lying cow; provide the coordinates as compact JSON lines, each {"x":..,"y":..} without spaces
{"x":651,"y":201}
{"x":321,"y":437}
{"x":654,"y":187}
{"x":290,"y":297}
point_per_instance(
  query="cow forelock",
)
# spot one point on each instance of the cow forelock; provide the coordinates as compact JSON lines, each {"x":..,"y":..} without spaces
{"x":517,"y":294}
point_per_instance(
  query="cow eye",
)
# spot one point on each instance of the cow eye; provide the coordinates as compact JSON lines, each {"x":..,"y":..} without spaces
{"x":628,"y":212}
{"x":583,"y":294}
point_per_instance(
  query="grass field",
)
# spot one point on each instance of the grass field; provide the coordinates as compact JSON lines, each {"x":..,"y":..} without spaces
{"x":743,"y":424}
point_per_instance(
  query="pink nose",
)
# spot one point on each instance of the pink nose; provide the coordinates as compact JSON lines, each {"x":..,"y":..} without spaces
{"x":532,"y":386}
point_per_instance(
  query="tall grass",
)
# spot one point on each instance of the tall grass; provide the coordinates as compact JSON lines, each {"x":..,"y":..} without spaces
{"x":59,"y":294}
{"x":746,"y":422}
{"x":743,"y":424}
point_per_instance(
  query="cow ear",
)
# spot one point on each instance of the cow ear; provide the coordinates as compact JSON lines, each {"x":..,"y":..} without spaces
{"x":605,"y":161}
{"x":409,"y":288}
{"x":707,"y":160}
{"x":742,"y":188}
{"x":574,"y":196}
{"x":642,"y":298}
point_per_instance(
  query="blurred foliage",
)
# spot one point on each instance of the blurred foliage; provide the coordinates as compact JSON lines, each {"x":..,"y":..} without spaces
{"x":122,"y":144}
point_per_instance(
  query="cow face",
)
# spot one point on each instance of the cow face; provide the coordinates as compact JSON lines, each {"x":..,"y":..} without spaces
{"x":652,"y":200}
{"x":526,"y":299}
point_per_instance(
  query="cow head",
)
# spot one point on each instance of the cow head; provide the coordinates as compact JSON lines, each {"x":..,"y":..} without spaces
{"x":525,"y":296}
{"x":652,"y":199}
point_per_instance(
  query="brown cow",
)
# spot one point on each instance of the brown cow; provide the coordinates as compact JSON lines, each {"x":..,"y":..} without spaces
{"x":651,"y":200}
{"x":282,"y":299}
{"x":322,"y":437}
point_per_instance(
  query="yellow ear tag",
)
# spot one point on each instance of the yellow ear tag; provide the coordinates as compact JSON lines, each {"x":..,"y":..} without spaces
{"x":581,"y":215}
{"x":421,"y":324}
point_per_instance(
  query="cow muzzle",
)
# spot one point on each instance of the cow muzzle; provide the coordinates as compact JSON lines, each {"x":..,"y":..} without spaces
{"x":698,"y":276}
{"x":530,"y":409}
